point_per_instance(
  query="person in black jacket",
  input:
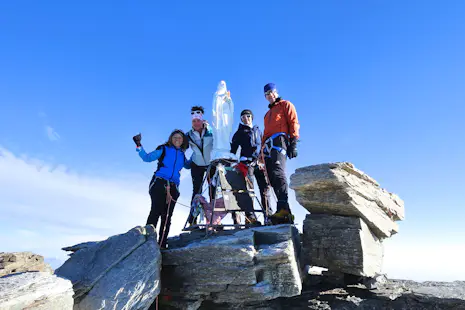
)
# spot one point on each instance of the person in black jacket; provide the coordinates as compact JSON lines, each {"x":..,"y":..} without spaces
{"x":249,"y":137}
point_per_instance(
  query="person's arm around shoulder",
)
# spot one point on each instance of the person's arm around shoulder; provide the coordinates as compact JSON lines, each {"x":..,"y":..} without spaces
{"x":188,"y":163}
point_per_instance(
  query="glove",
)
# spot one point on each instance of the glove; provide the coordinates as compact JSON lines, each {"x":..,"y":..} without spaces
{"x":137,"y":139}
{"x":292,"y":149}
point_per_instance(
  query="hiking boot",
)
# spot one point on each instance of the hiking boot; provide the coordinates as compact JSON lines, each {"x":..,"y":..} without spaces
{"x":254,"y":222}
{"x":282,"y":217}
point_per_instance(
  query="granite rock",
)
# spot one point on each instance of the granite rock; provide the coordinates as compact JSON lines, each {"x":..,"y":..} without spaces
{"x":247,"y":265}
{"x":22,"y":262}
{"x":35,"y":291}
{"x":341,"y":189}
{"x":122,"y":272}
{"x":342,"y":244}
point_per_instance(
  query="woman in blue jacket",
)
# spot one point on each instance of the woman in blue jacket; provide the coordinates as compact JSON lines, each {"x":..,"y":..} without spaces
{"x":163,"y":188}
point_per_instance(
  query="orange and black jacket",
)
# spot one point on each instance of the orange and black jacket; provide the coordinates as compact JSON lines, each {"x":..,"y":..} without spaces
{"x":281,"y":117}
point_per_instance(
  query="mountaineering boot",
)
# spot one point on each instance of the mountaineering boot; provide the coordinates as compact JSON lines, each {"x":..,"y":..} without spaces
{"x":252,"y":222}
{"x":282,"y":217}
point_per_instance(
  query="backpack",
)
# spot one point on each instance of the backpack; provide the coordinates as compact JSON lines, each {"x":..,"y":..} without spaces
{"x":162,"y":156}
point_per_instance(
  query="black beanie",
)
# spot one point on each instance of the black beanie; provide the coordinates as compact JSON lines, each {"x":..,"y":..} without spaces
{"x":246,"y":112}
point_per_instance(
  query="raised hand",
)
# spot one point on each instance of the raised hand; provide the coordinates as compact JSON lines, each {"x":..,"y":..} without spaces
{"x":137,"y":138}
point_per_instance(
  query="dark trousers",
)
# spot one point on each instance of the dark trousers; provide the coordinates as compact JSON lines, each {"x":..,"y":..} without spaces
{"x":262,"y":186}
{"x":198,"y":173}
{"x":264,"y":192}
{"x":160,"y":208}
{"x":276,"y":170}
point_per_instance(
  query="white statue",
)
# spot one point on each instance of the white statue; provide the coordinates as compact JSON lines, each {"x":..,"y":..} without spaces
{"x":223,"y":117}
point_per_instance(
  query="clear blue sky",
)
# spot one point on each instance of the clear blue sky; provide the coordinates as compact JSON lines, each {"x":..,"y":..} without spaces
{"x":376,"y":83}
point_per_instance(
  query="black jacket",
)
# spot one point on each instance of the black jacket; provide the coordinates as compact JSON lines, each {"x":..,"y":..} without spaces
{"x":249,"y":139}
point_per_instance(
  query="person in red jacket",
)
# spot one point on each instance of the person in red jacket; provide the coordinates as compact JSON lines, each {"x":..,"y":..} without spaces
{"x":281,"y":132}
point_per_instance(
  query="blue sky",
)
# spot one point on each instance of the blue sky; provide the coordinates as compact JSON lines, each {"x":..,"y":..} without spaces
{"x":376,"y":83}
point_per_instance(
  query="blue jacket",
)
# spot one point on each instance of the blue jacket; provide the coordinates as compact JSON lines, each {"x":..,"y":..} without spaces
{"x":249,"y":139}
{"x":170,"y":166}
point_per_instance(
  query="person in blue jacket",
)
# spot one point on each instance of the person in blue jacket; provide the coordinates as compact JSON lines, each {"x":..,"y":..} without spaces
{"x":163,"y":188}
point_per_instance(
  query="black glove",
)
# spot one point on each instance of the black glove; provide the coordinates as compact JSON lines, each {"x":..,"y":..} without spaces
{"x":292,"y":149}
{"x":137,"y":139}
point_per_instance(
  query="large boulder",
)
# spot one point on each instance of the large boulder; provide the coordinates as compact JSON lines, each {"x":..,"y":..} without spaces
{"x":122,"y":272}
{"x":35,"y":291}
{"x":341,"y":189}
{"x":22,"y":262}
{"x":242,"y":266}
{"x":342,"y":244}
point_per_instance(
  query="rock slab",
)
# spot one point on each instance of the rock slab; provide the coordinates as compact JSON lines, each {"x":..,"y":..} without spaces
{"x":342,"y":244}
{"x":122,"y":272}
{"x":247,"y":265}
{"x":393,"y":295}
{"x":35,"y":291}
{"x":22,"y":262}
{"x":341,"y":189}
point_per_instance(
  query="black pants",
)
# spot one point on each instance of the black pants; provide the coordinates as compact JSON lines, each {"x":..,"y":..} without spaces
{"x":264,"y":192}
{"x":198,"y":173}
{"x":276,"y":169}
{"x":262,"y":186}
{"x":160,"y":208}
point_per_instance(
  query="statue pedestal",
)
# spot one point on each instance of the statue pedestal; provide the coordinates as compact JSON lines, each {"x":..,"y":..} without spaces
{"x":223,"y":154}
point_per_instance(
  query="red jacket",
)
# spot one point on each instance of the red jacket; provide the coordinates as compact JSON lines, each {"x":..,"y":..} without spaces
{"x":282,"y":117}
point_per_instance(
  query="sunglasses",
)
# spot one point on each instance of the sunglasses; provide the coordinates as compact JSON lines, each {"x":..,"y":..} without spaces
{"x":196,"y":112}
{"x":247,"y":115}
{"x":268,"y":92}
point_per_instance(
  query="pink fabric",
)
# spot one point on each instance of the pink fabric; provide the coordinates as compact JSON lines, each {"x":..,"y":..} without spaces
{"x":207,"y":209}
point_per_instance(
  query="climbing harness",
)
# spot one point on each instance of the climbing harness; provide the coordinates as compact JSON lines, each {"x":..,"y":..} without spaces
{"x":265,"y":171}
{"x":269,"y":145}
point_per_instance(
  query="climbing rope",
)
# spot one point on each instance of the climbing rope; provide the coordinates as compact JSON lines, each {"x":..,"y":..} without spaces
{"x":265,"y":172}
{"x":169,"y":200}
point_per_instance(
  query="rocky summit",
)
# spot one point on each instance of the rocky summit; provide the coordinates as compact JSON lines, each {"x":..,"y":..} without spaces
{"x":122,"y":272}
{"x":268,"y":267}
{"x":350,"y":216}
{"x":321,"y":293}
{"x":239,"y":266}
{"x":342,"y":189}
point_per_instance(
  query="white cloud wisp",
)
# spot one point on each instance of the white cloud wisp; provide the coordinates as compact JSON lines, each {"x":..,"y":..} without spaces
{"x":43,"y":209}
{"x":52,"y":134}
